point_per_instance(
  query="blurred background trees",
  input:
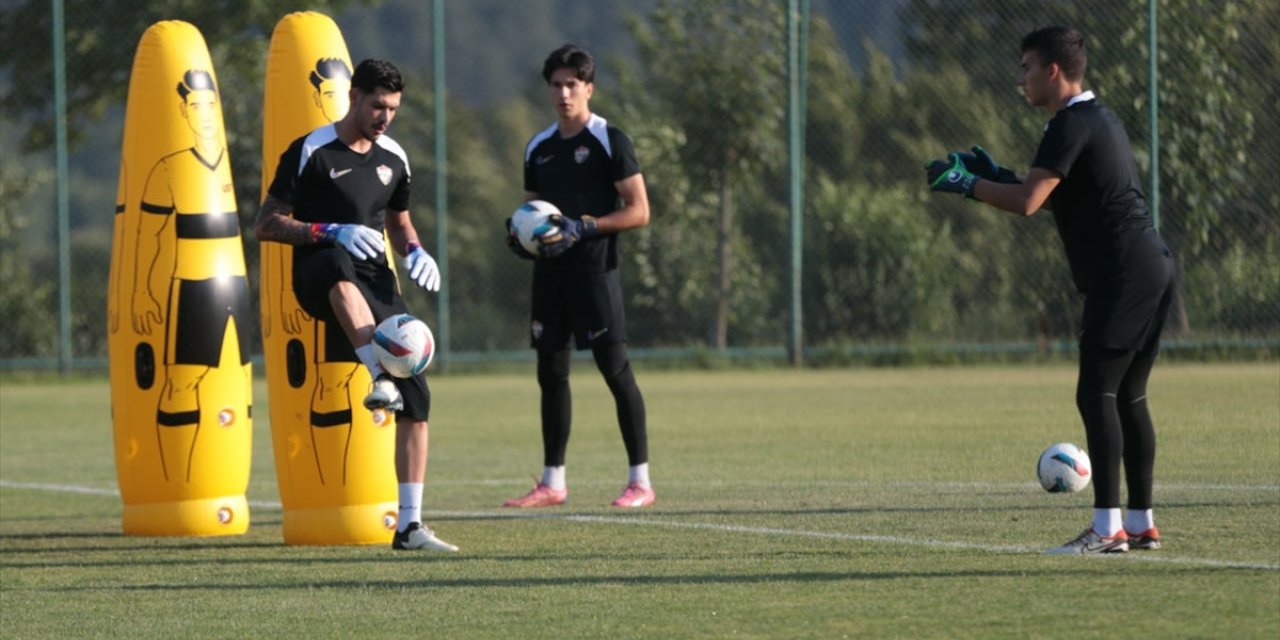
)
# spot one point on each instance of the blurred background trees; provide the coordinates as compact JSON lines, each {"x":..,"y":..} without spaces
{"x":700,"y":87}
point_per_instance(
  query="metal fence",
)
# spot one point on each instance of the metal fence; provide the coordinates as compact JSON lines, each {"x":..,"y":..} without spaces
{"x":782,"y":220}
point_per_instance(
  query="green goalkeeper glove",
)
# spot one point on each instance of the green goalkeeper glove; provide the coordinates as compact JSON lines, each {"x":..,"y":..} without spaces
{"x":980,"y":164}
{"x":951,"y":176}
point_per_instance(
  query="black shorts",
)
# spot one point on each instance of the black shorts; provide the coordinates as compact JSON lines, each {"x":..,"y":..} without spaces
{"x":315,"y":273}
{"x":584,"y":304}
{"x":1127,"y":311}
{"x":203,"y":309}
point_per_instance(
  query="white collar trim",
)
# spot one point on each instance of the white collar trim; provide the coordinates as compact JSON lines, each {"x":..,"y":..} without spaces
{"x":1088,"y":95}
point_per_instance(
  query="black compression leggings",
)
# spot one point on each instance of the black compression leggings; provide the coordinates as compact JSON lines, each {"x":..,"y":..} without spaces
{"x":1112,"y":398}
{"x":557,"y":403}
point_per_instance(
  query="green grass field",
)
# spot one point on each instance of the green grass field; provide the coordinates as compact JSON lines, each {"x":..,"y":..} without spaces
{"x":826,"y":504}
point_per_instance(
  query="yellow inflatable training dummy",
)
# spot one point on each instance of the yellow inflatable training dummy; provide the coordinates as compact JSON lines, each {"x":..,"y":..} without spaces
{"x":178,"y":305}
{"x":334,"y":459}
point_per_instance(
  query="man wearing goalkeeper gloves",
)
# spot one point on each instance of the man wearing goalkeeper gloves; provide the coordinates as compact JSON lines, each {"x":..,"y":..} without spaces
{"x":1085,"y":173}
{"x":344,"y":183}
{"x":588,"y":169}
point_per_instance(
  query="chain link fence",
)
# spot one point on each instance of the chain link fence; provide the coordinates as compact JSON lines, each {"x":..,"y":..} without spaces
{"x":886,"y":271}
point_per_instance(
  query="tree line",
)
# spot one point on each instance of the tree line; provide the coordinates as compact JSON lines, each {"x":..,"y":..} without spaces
{"x":702,"y":94}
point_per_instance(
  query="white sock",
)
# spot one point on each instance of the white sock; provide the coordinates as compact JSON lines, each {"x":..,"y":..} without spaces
{"x":554,"y":477}
{"x":410,"y":504}
{"x":369,"y":360}
{"x":1138,"y":520}
{"x":639,"y":474}
{"x":1106,"y":522}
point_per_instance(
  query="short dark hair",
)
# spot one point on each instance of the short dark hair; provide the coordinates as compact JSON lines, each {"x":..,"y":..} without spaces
{"x":570,"y":57}
{"x":1059,"y":45}
{"x":196,"y":80}
{"x":372,"y":75}
{"x":328,"y":69}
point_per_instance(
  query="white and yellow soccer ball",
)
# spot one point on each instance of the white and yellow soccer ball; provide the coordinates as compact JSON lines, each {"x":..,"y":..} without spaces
{"x":403,"y":345}
{"x":531,"y":221}
{"x":1064,"y":468}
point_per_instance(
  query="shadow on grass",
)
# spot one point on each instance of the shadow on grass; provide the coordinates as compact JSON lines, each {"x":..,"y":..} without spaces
{"x":1087,"y":568}
{"x":366,"y":555}
{"x":666,"y":512}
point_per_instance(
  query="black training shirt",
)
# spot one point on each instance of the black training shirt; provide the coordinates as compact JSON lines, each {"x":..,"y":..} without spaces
{"x":1099,"y":202}
{"x":326,"y":181}
{"x":577,"y":175}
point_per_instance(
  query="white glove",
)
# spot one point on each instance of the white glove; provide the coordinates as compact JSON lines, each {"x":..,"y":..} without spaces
{"x":360,"y":241}
{"x":422,"y":268}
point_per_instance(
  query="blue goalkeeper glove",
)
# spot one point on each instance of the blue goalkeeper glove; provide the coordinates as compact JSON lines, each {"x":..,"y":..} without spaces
{"x":360,"y":241}
{"x":951,"y":176}
{"x":980,"y":164}
{"x":569,"y":233}
{"x":422,"y":267}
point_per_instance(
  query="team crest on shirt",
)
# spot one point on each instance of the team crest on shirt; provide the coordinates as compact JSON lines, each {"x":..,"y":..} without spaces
{"x":536,"y":329}
{"x":384,"y":174}
{"x":581,"y":154}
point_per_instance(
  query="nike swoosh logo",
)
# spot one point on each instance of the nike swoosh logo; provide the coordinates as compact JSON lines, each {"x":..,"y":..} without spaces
{"x":1105,"y":546}
{"x":544,"y":159}
{"x":334,"y":174}
{"x":592,"y":335}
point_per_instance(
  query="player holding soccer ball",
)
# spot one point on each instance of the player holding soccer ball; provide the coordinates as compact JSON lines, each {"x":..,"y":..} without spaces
{"x":1085,"y":173}
{"x":344,"y":183}
{"x":588,"y":169}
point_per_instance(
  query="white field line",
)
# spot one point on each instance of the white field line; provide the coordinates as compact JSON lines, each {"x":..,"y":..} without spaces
{"x":914,"y":542}
{"x":723,"y":528}
{"x":100,"y":491}
{"x":908,"y":484}
{"x":852,"y":484}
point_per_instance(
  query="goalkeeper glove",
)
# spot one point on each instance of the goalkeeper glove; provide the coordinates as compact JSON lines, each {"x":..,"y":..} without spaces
{"x":980,"y":164}
{"x":422,"y":267}
{"x":951,"y":176}
{"x":570,"y":232}
{"x":360,"y":241}
{"x":513,"y":243}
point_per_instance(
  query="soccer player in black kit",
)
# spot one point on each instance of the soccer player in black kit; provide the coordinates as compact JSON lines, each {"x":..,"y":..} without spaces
{"x":587,"y":168}
{"x":344,"y":184}
{"x":1085,"y":173}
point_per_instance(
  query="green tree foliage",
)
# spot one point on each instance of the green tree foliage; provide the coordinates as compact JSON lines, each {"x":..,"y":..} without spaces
{"x":484,"y":186}
{"x":702,"y":94}
{"x":1219,"y":126}
{"x":716,"y":71}
{"x":101,"y":38}
{"x":100,"y":35}
{"x":26,"y":302}
{"x":891,"y":122}
{"x":853,"y":288}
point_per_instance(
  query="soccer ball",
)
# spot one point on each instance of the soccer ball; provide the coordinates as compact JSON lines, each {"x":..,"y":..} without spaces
{"x":404,"y":345}
{"x":532,"y":221}
{"x":1064,"y":468}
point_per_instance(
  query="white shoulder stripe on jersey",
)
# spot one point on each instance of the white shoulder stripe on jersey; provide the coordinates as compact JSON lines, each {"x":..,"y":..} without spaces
{"x":537,"y":139}
{"x":328,"y":133}
{"x":316,"y":139}
{"x":599,"y":127}
{"x":394,"y":147}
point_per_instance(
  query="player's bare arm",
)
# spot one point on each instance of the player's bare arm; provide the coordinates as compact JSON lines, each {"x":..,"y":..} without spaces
{"x":400,"y":231}
{"x":635,"y":209}
{"x":1023,"y":199}
{"x":275,"y":225}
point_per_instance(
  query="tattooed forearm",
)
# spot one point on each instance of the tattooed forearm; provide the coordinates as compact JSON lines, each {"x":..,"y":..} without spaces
{"x":275,"y":225}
